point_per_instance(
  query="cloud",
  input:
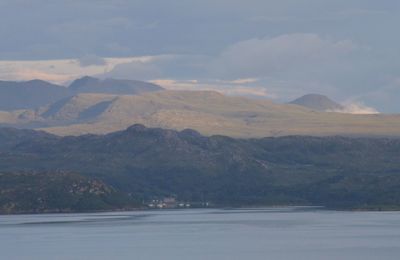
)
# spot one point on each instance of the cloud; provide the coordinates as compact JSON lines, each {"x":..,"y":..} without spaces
{"x":29,"y":74}
{"x":240,"y":81}
{"x":163,"y":66}
{"x":385,"y":97}
{"x":268,"y":56}
{"x":282,"y":67}
{"x":91,"y":60}
{"x":356,"y":108}
{"x":92,"y":26}
{"x":289,"y":55}
{"x":224,"y":88}
{"x":137,"y":70}
{"x":140,"y":69}
{"x":60,"y":71}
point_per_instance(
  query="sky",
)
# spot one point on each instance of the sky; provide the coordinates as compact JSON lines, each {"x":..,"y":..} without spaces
{"x":281,"y":49}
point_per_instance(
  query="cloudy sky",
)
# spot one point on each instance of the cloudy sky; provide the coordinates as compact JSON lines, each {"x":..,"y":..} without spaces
{"x":347,"y":49}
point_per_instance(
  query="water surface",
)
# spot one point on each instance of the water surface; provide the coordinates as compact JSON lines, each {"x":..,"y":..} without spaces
{"x":272,"y":233}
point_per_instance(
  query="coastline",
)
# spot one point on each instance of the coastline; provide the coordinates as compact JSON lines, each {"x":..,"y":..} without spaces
{"x":244,"y":207}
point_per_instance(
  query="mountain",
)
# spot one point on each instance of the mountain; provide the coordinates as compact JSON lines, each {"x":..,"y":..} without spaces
{"x":318,"y":102}
{"x":209,"y":113}
{"x":145,"y":163}
{"x":37,"y":93}
{"x":29,"y":94}
{"x":111,"y":86}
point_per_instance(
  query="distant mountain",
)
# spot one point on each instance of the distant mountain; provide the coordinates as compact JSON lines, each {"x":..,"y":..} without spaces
{"x":37,"y":93}
{"x":112,"y":86}
{"x":147,"y":163}
{"x":29,"y":94}
{"x":209,"y":113}
{"x":318,"y":102}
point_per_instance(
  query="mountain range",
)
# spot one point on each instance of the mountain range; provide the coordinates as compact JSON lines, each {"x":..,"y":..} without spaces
{"x":102,"y":106}
{"x":41,"y":172}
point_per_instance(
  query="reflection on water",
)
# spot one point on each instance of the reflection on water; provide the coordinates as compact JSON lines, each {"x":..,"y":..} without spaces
{"x":271,"y":233}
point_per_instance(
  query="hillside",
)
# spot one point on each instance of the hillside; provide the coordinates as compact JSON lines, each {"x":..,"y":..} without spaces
{"x":145,"y":163}
{"x":57,"y":192}
{"x":211,"y":113}
{"x":98,"y":106}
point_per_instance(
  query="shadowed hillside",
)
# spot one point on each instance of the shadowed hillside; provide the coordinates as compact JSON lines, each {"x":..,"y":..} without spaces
{"x":145,"y":163}
{"x":37,"y":93}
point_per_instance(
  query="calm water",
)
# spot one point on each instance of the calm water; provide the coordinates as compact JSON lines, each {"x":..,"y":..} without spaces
{"x":280,"y":233}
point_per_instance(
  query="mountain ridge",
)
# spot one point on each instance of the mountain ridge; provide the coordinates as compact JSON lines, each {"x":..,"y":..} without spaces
{"x":208,"y":112}
{"x":142,"y":163}
{"x":33,"y":94}
{"x":213,"y":113}
{"x":88,"y":84}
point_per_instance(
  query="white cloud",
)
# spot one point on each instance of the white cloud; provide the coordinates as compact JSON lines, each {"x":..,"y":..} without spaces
{"x":240,"y":81}
{"x":357,"y":108}
{"x":60,"y":71}
{"x":225,"y":88}
{"x":386,"y":96}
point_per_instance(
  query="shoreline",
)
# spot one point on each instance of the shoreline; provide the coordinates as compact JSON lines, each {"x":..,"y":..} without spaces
{"x":145,"y":209}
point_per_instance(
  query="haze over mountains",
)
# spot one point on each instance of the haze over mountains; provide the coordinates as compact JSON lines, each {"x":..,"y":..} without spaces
{"x":90,"y":105}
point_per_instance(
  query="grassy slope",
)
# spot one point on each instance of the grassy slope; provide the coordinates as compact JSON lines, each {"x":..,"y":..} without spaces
{"x":212,"y":113}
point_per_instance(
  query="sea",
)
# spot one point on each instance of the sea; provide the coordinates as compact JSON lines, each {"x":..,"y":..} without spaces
{"x":263,"y":233}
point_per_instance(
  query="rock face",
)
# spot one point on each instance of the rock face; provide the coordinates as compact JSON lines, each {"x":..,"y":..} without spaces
{"x":317,"y":102}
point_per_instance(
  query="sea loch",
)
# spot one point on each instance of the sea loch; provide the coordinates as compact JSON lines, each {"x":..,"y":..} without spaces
{"x":269,"y":233}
